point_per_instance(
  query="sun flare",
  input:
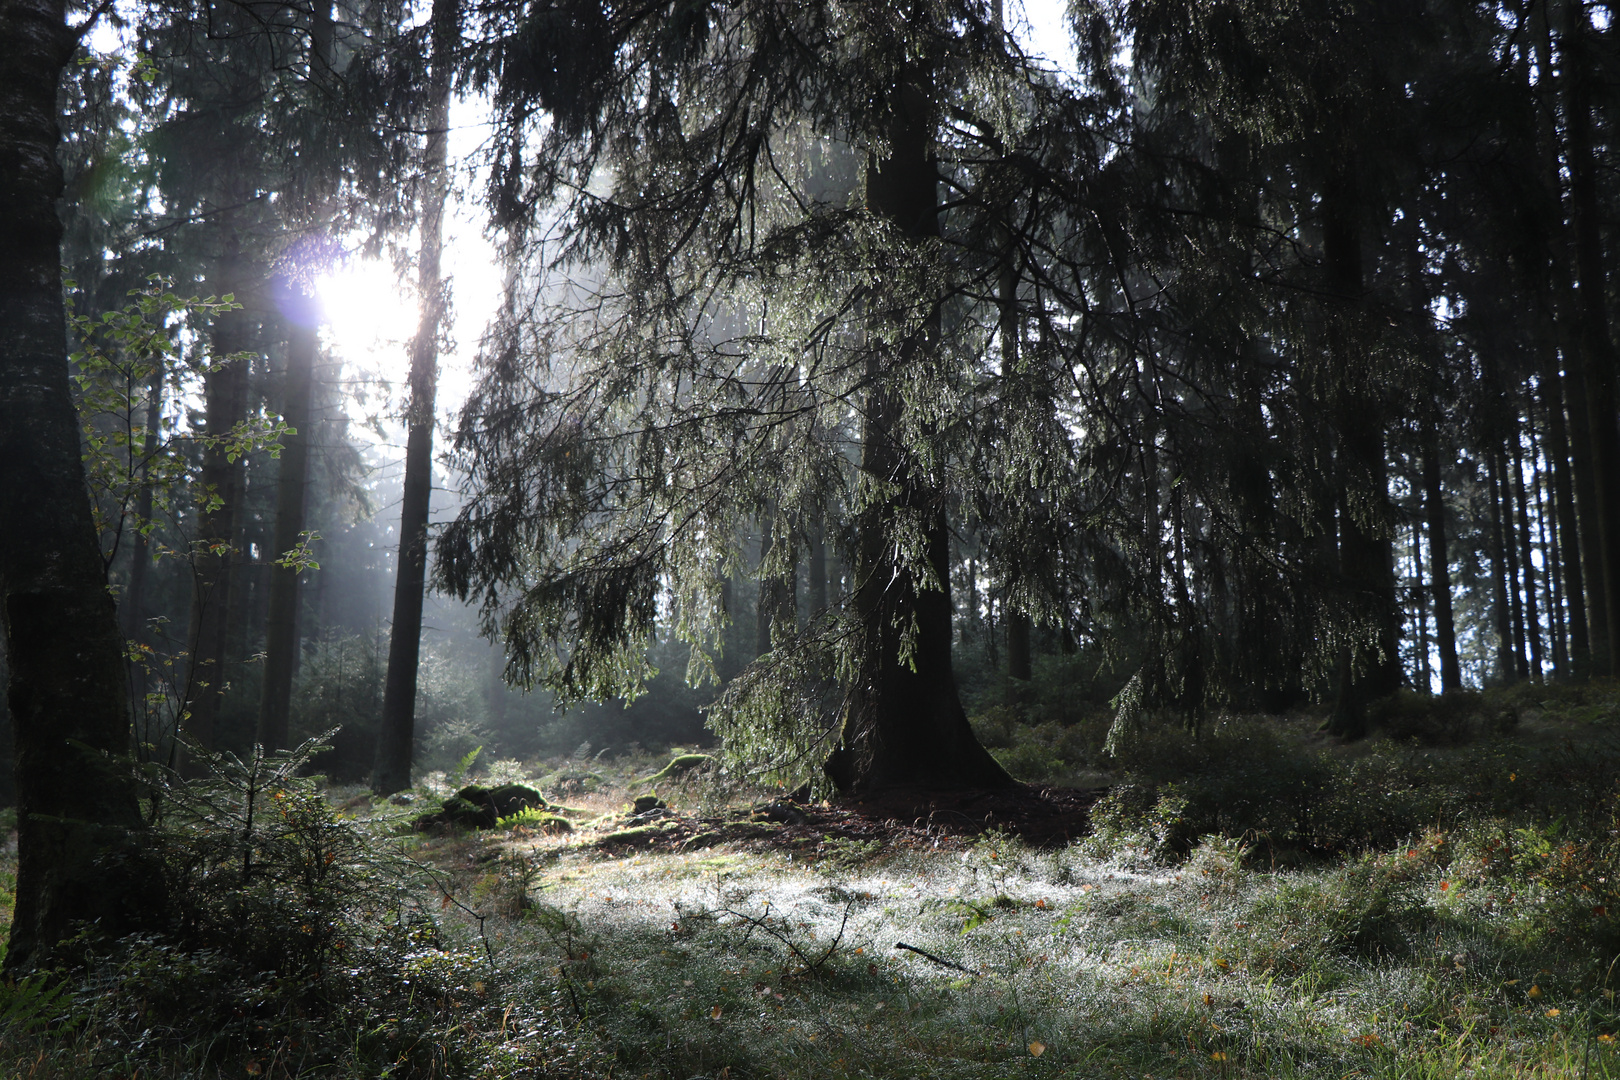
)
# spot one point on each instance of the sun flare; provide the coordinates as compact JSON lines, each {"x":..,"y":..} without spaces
{"x":369,"y":315}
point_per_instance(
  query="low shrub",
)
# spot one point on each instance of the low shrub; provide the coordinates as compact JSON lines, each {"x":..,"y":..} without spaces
{"x":296,"y":943}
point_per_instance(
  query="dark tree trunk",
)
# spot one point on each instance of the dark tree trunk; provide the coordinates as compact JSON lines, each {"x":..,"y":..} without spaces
{"x":1420,"y":605}
{"x":1588,"y":541}
{"x":1568,"y":531}
{"x":1596,"y":345}
{"x":1510,"y":551}
{"x":1569,"y":448}
{"x":1019,"y":663}
{"x":1532,"y":608}
{"x":225,"y":403}
{"x":66,"y":690}
{"x":1445,"y":628}
{"x":1508,"y":670}
{"x":1366,"y":558}
{"x":1552,"y":558}
{"x":292,"y":481}
{"x":132,"y":608}
{"x":398,"y":732}
{"x":904,"y":726}
{"x":244,"y":597}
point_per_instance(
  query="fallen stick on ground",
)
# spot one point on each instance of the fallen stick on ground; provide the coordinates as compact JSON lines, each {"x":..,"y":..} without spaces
{"x":930,"y":956}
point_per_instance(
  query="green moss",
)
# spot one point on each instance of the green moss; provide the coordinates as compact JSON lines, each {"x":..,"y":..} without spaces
{"x":539,"y":820}
{"x":641,"y":834}
{"x":678,"y":766}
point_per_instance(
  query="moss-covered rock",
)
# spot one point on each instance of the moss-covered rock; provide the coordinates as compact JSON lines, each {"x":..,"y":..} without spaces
{"x":637,"y":836}
{"x":679,"y":765}
{"x":479,"y":807}
{"x":538,"y":821}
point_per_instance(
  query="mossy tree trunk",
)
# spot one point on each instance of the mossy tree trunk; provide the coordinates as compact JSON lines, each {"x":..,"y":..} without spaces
{"x":67,"y":694}
{"x":905,"y":726}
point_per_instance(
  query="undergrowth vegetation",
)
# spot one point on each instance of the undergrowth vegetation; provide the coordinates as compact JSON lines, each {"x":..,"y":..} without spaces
{"x":1252,"y":901}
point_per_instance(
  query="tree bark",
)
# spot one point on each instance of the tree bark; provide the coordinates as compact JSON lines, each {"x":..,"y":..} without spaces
{"x":1019,"y":665}
{"x":1420,"y":603}
{"x":904,"y":725}
{"x":1568,"y":531}
{"x":1510,"y":550}
{"x":132,"y":608}
{"x":1596,"y":345}
{"x":1569,"y":447}
{"x":1532,"y":608}
{"x":1540,"y":497}
{"x":292,"y":482}
{"x":1366,"y":558}
{"x":224,"y":403}
{"x":66,"y":689}
{"x":397,"y":735}
{"x":1445,"y":627}
{"x":1507,"y":669}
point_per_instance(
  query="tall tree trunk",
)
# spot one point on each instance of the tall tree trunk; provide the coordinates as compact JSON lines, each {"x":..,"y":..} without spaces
{"x":1366,"y":558}
{"x":132,"y":607}
{"x":1568,"y":531}
{"x":1420,"y":604}
{"x":292,"y":482}
{"x":224,"y":405}
{"x":1539,"y":499}
{"x":1019,"y":661}
{"x":1532,"y":608}
{"x":904,"y":725}
{"x":1434,"y":505}
{"x":1510,"y":550}
{"x":66,"y":690}
{"x":1588,"y":541}
{"x":398,"y":731}
{"x":1569,"y":448}
{"x":1596,"y":345}
{"x":1508,"y":670}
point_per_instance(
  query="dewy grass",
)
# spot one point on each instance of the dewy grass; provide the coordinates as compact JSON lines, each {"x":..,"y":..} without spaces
{"x":752,"y":965}
{"x":1475,"y":950}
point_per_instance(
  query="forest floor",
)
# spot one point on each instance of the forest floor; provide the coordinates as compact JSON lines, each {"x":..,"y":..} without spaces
{"x":982,"y":936}
{"x":996,"y":936}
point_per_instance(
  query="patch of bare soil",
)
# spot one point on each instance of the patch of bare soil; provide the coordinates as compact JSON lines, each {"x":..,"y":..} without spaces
{"x":1042,"y":817}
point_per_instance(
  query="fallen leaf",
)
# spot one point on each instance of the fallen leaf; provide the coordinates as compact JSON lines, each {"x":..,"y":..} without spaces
{"x":1535,"y":991}
{"x":714,"y":1013}
{"x":1036,"y":1049}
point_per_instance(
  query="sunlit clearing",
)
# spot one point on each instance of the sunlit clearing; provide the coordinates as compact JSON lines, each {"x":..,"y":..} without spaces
{"x":369,"y":316}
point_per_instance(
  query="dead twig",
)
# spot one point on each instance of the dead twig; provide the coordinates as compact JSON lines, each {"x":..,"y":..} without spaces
{"x":941,"y":961}
{"x":763,"y":924}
